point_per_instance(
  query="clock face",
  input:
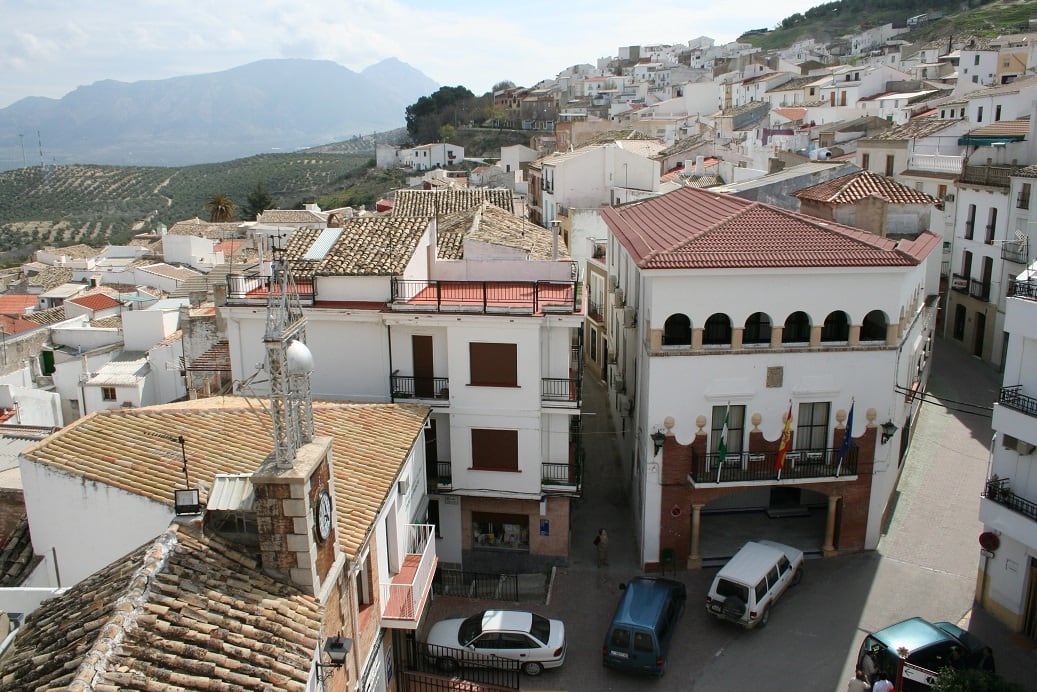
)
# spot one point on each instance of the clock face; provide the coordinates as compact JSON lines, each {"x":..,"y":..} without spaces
{"x":323,"y":515}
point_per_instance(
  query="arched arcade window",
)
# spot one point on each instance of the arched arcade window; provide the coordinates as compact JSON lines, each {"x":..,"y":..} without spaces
{"x":837,"y":327}
{"x":677,"y":330}
{"x":757,"y":329}
{"x":717,"y":330}
{"x":874,"y":326}
{"x":797,"y":328}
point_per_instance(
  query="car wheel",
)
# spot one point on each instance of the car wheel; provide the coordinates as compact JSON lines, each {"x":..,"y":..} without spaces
{"x":532,"y":668}
{"x":446,"y":664}
{"x":734,"y":607}
{"x":797,"y":576}
{"x":765,"y":617}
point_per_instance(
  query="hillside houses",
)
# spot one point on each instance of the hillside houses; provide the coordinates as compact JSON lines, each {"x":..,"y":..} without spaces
{"x":864,"y":196}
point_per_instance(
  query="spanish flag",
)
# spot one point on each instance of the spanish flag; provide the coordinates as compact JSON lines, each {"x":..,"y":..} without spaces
{"x":786,"y":442}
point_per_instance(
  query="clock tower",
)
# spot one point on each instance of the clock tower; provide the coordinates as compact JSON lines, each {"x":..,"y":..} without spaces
{"x":295,"y":485}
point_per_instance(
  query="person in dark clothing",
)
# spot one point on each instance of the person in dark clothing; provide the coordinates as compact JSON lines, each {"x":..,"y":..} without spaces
{"x":986,"y":661}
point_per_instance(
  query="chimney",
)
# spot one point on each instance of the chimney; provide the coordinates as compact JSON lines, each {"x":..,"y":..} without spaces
{"x":219,"y":295}
{"x":700,"y":164}
{"x":556,"y":227}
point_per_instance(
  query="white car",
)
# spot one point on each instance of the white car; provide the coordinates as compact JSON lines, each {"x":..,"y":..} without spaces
{"x":485,"y":638}
{"x":745,"y":589}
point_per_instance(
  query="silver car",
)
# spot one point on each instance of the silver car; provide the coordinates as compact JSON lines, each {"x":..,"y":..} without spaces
{"x":493,"y":637}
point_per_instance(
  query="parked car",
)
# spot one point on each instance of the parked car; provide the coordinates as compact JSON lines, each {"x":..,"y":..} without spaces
{"x":745,"y":590}
{"x":639,"y":637}
{"x":492,"y":637}
{"x":929,"y":645}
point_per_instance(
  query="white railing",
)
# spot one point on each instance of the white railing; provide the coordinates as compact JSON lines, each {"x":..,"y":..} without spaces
{"x":936,"y":163}
{"x":400,"y":601}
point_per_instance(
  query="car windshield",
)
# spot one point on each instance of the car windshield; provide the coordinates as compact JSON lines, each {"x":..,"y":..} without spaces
{"x":727,"y":589}
{"x":470,"y":629}
{"x":541,"y":628}
{"x":971,"y":642}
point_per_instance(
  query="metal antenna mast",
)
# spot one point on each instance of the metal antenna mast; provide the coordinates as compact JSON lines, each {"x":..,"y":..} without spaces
{"x":290,"y":404}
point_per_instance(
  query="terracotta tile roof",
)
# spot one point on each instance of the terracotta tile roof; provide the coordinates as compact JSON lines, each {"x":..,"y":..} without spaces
{"x":292,"y":216}
{"x":95,"y":301}
{"x":686,"y":144}
{"x":364,"y":246}
{"x":490,"y":224}
{"x":17,"y":559}
{"x":17,"y":303}
{"x":216,"y":359}
{"x":1002,"y":89}
{"x":207,"y":229}
{"x":428,"y":203}
{"x":16,"y":325}
{"x":113,"y":322}
{"x":1003,"y":128}
{"x":794,"y":84}
{"x":48,"y":316}
{"x":1028,"y":172}
{"x":697,"y":229}
{"x":616,"y":136}
{"x":79,"y":251}
{"x":170,"y":272}
{"x":915,"y":128}
{"x":232,"y":435}
{"x":852,"y":188}
{"x":791,"y":113}
{"x":186,"y":611}
{"x":51,"y":277}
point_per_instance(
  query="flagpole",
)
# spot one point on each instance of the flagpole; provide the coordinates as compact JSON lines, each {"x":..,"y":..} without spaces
{"x":847,"y":440}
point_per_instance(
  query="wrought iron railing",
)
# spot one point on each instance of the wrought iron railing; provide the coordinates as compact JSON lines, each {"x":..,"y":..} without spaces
{"x":999,"y":491}
{"x":433,"y":667}
{"x":459,"y":582}
{"x":1022,"y":289}
{"x":561,"y":389}
{"x":595,"y":311}
{"x":1013,"y":398}
{"x":486,"y":296}
{"x":439,"y":474}
{"x":979,"y":289}
{"x":762,"y":466}
{"x":252,"y":287}
{"x":1017,"y":252}
{"x":410,"y":387}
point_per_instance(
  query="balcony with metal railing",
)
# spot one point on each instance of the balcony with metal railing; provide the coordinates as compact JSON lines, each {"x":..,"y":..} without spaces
{"x":253,"y":288}
{"x":1013,"y":398}
{"x":433,"y":390}
{"x":979,"y":289}
{"x":1000,"y":492}
{"x":439,"y":474}
{"x":1027,"y":290}
{"x":960,"y":283}
{"x":994,"y":176}
{"x":761,"y":467}
{"x":1016,"y":251}
{"x":486,"y":297}
{"x":596,"y":311}
{"x":406,"y":596}
{"x":567,"y":477}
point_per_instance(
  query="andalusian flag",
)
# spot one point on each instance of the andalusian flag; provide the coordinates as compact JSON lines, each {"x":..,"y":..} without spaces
{"x":786,"y":442}
{"x":722,"y":445}
{"x":847,"y":439}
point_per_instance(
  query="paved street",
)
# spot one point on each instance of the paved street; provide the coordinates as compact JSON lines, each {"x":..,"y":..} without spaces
{"x":926,"y":565}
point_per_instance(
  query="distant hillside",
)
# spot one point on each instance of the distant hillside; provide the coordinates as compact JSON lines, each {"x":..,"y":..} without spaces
{"x":952,"y":17}
{"x":261,"y":107}
{"x":98,"y":204}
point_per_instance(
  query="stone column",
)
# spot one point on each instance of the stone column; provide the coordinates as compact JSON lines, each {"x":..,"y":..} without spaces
{"x":815,"y":335}
{"x":695,"y":560}
{"x":828,"y":548}
{"x":776,"y":334}
{"x":736,"y":337}
{"x":855,"y":334}
{"x":696,"y":339}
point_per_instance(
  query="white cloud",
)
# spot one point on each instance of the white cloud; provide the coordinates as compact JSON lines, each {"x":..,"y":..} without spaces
{"x":474,"y":43}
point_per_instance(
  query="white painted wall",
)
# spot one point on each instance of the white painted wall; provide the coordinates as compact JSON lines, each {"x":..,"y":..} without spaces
{"x":33,"y":406}
{"x":83,"y":524}
{"x":142,"y":329}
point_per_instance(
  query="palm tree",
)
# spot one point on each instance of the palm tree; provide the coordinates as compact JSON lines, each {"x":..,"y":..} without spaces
{"x":221,"y":208}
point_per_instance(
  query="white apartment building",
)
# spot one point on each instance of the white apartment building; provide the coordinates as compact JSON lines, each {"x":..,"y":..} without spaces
{"x":722,"y":307}
{"x":1006,"y":585}
{"x":469,"y":310}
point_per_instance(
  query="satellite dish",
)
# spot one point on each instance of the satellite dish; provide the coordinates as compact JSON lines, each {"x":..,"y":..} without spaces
{"x":300,"y":359}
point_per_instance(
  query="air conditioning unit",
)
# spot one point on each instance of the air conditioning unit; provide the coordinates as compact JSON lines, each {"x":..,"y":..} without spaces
{"x":949,"y":197}
{"x":620,"y":297}
{"x":629,"y":317}
{"x":403,"y":486}
{"x":613,"y":282}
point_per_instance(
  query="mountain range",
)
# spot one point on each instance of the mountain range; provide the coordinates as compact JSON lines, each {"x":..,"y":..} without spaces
{"x":264,"y":106}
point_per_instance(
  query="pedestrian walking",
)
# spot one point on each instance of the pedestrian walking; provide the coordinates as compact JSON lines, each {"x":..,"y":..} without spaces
{"x":986,"y":661}
{"x":858,"y":683}
{"x":601,"y":541}
{"x":869,"y":667}
{"x":881,"y":684}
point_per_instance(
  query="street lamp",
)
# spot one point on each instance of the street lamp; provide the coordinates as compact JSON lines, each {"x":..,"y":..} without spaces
{"x":888,"y":430}
{"x":658,"y":438}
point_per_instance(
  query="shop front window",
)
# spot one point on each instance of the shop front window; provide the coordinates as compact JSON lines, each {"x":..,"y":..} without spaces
{"x":507,"y":531}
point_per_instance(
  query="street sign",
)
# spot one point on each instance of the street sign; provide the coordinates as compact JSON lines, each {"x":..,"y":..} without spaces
{"x":919,"y":674}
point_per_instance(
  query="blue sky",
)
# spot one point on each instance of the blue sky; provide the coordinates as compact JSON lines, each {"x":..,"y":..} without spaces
{"x":49,"y":47}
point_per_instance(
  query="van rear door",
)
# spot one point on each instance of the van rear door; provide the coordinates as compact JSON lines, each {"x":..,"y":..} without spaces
{"x":618,"y":646}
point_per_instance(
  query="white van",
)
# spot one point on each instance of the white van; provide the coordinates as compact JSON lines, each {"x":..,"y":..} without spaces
{"x":745,"y":589}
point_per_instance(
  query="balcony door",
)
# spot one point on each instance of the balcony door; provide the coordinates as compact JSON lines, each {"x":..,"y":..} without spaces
{"x":421,"y":353}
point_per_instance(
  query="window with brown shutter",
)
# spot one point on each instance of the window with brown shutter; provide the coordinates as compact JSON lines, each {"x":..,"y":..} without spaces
{"x":493,"y":365}
{"x":494,"y":450}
